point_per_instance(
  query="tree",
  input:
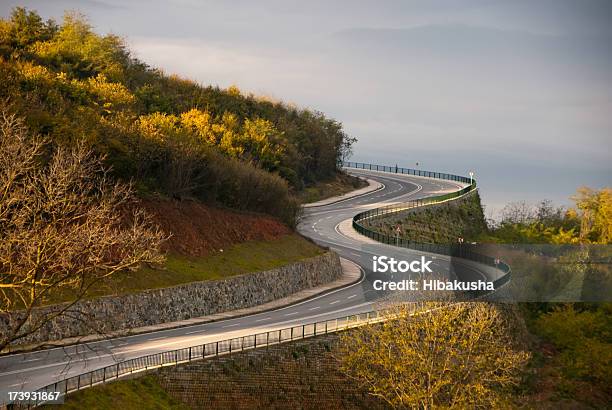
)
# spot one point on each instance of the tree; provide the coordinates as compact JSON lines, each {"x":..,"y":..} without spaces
{"x":452,"y":355}
{"x":64,"y":226}
{"x":596,"y":214}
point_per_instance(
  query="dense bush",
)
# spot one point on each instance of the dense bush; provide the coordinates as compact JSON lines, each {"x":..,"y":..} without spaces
{"x":169,"y":134}
{"x":583,"y":337}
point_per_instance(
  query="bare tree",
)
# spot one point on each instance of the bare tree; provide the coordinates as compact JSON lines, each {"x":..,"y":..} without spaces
{"x":452,"y":355}
{"x":61,"y":228}
{"x":517,"y":213}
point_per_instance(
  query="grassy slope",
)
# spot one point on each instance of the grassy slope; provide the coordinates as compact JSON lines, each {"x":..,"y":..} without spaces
{"x":141,"y":393}
{"x":251,"y":256}
{"x":339,"y":185}
{"x":442,"y":223}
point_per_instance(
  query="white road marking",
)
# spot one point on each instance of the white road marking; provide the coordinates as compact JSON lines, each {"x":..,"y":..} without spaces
{"x":315,"y":308}
{"x":195,"y":331}
{"x":232,"y":325}
{"x":291,"y":314}
{"x":334,"y":302}
{"x":265,"y":318}
{"x":351,"y":297}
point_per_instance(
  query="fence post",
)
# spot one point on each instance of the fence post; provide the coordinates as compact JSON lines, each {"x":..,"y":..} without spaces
{"x":326,"y":327}
{"x":304,"y":331}
{"x":217,"y":349}
{"x":189,"y":353}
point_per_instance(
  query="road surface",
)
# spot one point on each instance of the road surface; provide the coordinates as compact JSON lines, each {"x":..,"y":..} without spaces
{"x":30,"y":371}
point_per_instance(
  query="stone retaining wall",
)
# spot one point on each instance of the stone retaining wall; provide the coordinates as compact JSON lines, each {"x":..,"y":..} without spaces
{"x":297,"y":375}
{"x":115,"y":313}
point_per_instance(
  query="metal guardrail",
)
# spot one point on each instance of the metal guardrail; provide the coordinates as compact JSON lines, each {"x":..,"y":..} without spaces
{"x":407,"y":171}
{"x":239,"y":344}
{"x":201,"y":352}
{"x":465,"y":251}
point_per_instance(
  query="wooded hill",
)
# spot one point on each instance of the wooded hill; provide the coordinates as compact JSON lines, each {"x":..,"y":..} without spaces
{"x":168,"y":134}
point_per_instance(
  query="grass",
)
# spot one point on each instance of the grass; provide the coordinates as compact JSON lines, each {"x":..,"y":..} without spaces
{"x":339,"y":185}
{"x":141,"y":393}
{"x":242,"y":258}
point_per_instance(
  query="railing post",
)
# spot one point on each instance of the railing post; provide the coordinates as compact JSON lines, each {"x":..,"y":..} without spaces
{"x":217,"y":349}
{"x":189,"y":353}
{"x":326,"y":327}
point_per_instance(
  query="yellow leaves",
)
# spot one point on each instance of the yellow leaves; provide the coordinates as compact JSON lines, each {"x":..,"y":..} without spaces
{"x":200,"y":123}
{"x":233,"y":90}
{"x":110,"y":94}
{"x":76,"y":42}
{"x":460,"y":355}
{"x":34,"y":72}
{"x":596,"y":214}
{"x":158,"y":125}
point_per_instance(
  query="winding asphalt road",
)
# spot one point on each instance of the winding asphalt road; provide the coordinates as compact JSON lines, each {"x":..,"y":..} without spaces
{"x":29,"y":371}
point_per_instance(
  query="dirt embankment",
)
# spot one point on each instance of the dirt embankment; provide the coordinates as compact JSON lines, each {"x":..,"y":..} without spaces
{"x":198,"y":229}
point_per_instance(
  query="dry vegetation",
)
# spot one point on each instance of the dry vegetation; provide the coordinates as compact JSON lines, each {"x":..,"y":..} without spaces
{"x":60,"y":225}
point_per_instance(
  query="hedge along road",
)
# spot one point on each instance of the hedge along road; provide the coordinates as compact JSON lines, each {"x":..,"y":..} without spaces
{"x":29,"y":371}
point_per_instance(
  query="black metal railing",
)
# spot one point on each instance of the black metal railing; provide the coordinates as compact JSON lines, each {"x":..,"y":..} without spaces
{"x":201,"y":352}
{"x":407,"y":171}
{"x":459,"y":250}
{"x":238,"y":344}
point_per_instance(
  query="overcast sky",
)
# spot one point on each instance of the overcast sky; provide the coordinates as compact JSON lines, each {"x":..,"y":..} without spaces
{"x":518,"y":91}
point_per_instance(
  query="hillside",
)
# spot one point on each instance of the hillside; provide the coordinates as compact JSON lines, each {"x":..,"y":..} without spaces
{"x":197,"y":230}
{"x":441,"y":223}
{"x":168,"y":134}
